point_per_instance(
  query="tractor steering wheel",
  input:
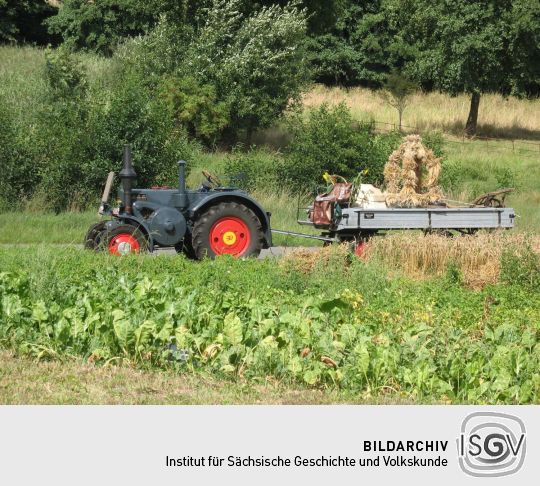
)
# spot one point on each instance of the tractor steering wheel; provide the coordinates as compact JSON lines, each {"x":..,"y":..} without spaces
{"x":211,"y":178}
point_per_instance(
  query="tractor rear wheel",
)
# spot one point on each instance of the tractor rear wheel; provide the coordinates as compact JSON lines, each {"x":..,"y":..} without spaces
{"x":125,"y":239}
{"x":229,"y":228}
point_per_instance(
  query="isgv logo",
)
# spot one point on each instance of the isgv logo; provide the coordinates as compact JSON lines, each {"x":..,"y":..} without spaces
{"x":491,"y":444}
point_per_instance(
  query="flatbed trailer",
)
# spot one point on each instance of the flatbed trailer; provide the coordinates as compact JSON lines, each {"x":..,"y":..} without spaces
{"x":358,"y":224}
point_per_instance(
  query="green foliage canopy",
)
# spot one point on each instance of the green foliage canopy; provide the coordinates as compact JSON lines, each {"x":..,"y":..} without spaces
{"x":473,"y":47}
{"x":329,"y":140}
{"x":256,"y":63}
{"x":22,"y":21}
{"x":101,"y":25}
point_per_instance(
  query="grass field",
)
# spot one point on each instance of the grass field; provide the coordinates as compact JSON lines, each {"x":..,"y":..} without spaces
{"x":22,"y":81}
{"x":498,"y":117}
{"x":25,"y":381}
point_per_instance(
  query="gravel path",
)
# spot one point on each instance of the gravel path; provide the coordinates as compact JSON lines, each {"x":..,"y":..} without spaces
{"x":273,"y":252}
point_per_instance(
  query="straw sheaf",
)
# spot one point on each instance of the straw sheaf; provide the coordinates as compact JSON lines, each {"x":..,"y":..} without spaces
{"x":411,"y":175}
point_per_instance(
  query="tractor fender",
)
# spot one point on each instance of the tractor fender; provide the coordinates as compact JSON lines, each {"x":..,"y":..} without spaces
{"x":128,"y":219}
{"x":241,"y":198}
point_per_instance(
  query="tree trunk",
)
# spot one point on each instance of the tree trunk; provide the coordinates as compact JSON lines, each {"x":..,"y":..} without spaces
{"x":472,"y":119}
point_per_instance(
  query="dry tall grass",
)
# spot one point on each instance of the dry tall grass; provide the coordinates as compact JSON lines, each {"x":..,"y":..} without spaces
{"x":498,"y":116}
{"x":477,"y":257}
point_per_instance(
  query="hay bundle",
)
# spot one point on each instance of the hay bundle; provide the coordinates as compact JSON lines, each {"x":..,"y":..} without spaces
{"x":411,"y":175}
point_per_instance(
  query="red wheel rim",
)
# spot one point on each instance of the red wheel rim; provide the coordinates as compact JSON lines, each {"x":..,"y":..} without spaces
{"x":124,"y":244}
{"x":229,"y":236}
{"x":359,"y":249}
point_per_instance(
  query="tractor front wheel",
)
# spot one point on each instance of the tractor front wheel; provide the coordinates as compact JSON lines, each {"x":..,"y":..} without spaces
{"x":228,"y":228}
{"x":93,"y":236}
{"x":126,"y":239}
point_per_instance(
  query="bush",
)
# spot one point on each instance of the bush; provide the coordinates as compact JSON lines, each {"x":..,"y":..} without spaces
{"x":506,"y":177}
{"x":19,"y":176}
{"x":58,"y":156}
{"x":521,"y":266}
{"x":65,"y":75}
{"x":254,"y":169}
{"x":134,"y":116}
{"x":435,"y":141}
{"x":330,"y":140}
{"x":195,"y":106}
{"x":81,"y":134}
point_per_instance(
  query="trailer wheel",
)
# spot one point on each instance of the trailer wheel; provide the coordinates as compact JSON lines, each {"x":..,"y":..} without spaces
{"x":228,"y":228}
{"x":126,"y":239}
{"x":359,"y":248}
{"x":93,"y":236}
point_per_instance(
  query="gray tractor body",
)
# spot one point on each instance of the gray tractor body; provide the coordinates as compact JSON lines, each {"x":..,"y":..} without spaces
{"x":166,"y":216}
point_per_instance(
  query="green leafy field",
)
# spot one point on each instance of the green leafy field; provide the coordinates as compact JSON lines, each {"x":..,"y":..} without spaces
{"x":340,"y":325}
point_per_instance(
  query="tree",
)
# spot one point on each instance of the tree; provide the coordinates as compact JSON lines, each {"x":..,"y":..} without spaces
{"x":334,"y":60}
{"x":472,"y":46}
{"x":22,"y":21}
{"x":259,"y":64}
{"x":397,"y":92}
{"x":255,"y":63}
{"x":362,"y":46}
{"x":100,"y":25}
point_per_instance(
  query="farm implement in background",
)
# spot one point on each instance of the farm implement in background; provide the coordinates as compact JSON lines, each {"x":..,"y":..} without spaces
{"x":354,"y":212}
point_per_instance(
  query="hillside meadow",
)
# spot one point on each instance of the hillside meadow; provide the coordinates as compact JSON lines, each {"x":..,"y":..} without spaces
{"x":498,"y":117}
{"x":21,"y":70}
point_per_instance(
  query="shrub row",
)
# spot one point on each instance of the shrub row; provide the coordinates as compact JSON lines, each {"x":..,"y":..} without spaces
{"x":59,"y":157}
{"x":326,"y":139}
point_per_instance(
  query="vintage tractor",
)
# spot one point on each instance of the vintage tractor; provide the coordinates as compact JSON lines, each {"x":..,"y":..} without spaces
{"x":213,"y":220}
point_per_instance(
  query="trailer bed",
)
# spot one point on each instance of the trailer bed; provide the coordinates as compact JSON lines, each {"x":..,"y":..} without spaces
{"x":356,"y":223}
{"x":360,"y":219}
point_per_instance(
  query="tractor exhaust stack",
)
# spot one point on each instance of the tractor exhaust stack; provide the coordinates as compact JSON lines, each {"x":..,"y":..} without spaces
{"x":182,"y":176}
{"x":127,"y":176}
